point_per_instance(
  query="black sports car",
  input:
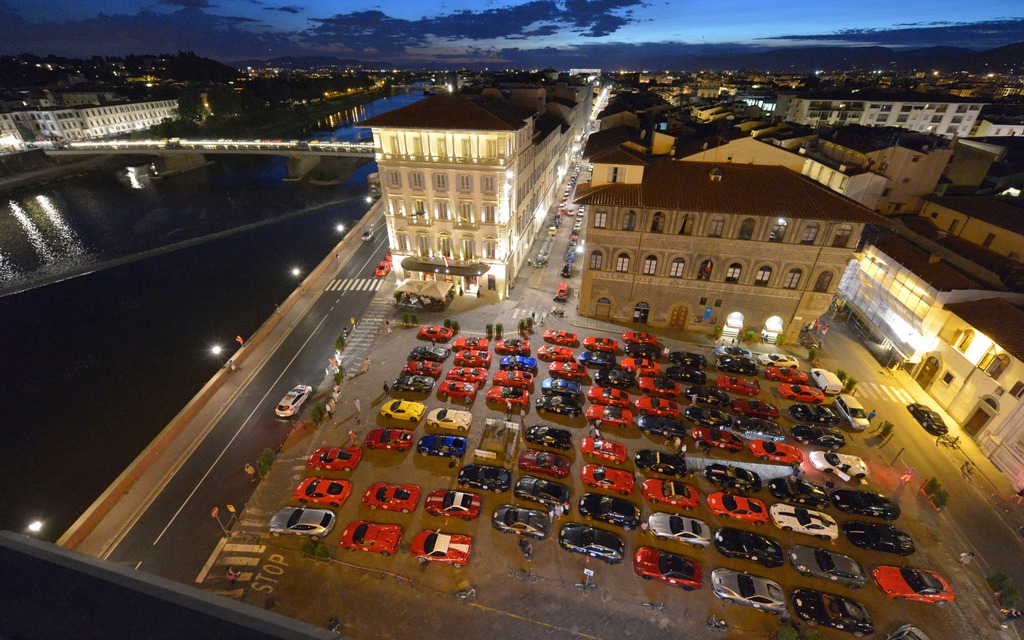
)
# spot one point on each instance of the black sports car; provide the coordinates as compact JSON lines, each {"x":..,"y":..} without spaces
{"x":828,"y":610}
{"x":740,"y":365}
{"x":687,"y":374}
{"x":818,"y":436}
{"x":757,"y":429}
{"x":707,"y":417}
{"x":865,"y":503}
{"x":431,"y":354}
{"x":708,"y":395}
{"x":669,"y":464}
{"x":734,"y":479}
{"x":548,"y":437}
{"x":661,"y":426}
{"x":413,"y":383}
{"x":616,"y":378}
{"x":546,"y":492}
{"x":797,"y":491}
{"x":566,"y":270}
{"x":562,"y":405}
{"x":596,"y":543}
{"x":746,"y":545}
{"x":931,"y":421}
{"x":486,"y":477}
{"x":878,"y":537}
{"x":814,"y":414}
{"x":687,"y":359}
{"x":643,"y":351}
{"x":610,"y":509}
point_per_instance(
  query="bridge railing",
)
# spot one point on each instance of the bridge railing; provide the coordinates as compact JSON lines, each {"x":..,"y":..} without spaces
{"x":221,"y":144}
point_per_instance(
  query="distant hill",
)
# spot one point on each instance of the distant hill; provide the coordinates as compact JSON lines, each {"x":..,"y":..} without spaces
{"x":310,"y":62}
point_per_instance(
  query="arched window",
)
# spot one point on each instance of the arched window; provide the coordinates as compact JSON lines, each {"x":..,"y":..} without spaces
{"x":596,"y":260}
{"x":823,"y":282}
{"x":764,"y":274}
{"x":629,"y":221}
{"x":658,"y":222}
{"x":964,"y":341}
{"x":998,"y":365}
{"x":747,"y":229}
{"x":732,"y":274}
{"x":650,"y":265}
{"x":705,"y":269}
{"x":677,"y":268}
{"x":842,"y":236}
{"x":686,"y":228}
{"x":792,"y":280}
{"x":444,"y":246}
{"x":810,"y":233}
{"x":778,"y":231}
{"x":622,"y":263}
{"x":717,"y":225}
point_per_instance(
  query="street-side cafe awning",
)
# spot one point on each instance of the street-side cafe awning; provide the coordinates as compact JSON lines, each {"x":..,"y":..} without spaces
{"x":452,"y":267}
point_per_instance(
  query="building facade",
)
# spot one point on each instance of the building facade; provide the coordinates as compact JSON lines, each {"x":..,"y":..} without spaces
{"x":926,"y":113}
{"x":85,"y":121}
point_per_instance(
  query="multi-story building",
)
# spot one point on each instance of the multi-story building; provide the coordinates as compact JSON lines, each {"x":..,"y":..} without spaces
{"x":92,"y":121}
{"x":467,"y":183}
{"x":996,"y":224}
{"x":702,"y":246}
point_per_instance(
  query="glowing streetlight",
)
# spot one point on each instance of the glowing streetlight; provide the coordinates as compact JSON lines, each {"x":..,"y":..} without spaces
{"x":369,"y":199}
{"x":340,"y":228}
{"x":216,"y":350}
{"x":35,"y":527}
{"x":296,"y":272}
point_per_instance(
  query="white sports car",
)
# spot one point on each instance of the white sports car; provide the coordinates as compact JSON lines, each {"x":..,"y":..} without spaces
{"x":450,"y":419}
{"x":844,"y":466}
{"x":669,"y":526}
{"x":801,"y":520}
{"x":779,"y":360}
{"x":749,"y":590}
{"x":292,"y":401}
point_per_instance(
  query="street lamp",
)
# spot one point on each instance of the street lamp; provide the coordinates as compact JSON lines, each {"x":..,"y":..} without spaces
{"x":216,"y":350}
{"x":296,"y":272}
{"x":340,"y":228}
{"x":35,"y":526}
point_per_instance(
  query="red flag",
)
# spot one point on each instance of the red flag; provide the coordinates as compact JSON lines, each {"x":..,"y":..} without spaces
{"x":240,"y":340}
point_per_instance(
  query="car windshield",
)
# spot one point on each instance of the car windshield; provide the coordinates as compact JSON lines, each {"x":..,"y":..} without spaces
{"x":857,"y":412}
{"x":673,"y":565}
{"x":360,"y":533}
{"x":729,"y":501}
{"x":745,"y":584}
{"x":921,"y":582}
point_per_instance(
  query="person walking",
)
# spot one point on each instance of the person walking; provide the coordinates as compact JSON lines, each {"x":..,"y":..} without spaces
{"x":1020,"y":496}
{"x":387,"y":324}
{"x":871,"y":415}
{"x":251,"y":472}
{"x":387,"y":390}
{"x":352,"y":437}
{"x":232,"y":575}
{"x":366,"y":365}
{"x":508,"y":410}
{"x":359,"y":405}
{"x":908,"y":474}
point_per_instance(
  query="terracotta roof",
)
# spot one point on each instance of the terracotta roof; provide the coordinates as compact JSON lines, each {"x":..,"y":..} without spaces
{"x":939,"y":274}
{"x":605,"y":139}
{"x":1005,"y":213}
{"x":996,"y":318}
{"x":1010,"y":271}
{"x":743,"y":190}
{"x":620,"y":155}
{"x":453,"y":112}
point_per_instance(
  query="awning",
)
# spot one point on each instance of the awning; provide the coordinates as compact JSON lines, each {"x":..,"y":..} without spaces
{"x":434,"y":289}
{"x":454,"y":267}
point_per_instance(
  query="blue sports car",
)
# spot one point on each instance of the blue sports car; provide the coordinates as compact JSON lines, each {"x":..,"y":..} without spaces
{"x":561,"y":386}
{"x":443,"y":446}
{"x":597,"y":359}
{"x":518,"y":363}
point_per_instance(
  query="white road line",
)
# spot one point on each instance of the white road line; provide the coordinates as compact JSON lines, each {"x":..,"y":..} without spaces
{"x":211,"y":560}
{"x":241,"y":561}
{"x":245,"y":548}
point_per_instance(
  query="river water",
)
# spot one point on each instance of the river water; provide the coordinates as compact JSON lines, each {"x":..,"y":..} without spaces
{"x":121,"y":286}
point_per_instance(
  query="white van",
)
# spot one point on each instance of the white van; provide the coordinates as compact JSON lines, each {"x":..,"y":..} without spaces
{"x":852,"y":411}
{"x":826,"y":381}
{"x":368,"y":235}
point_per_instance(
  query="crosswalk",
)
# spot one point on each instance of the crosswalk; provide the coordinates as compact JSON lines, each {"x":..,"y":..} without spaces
{"x":355,"y":284}
{"x":883,"y":392}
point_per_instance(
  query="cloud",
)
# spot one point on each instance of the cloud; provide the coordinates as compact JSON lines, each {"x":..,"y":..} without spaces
{"x":292,"y":10}
{"x":187,"y":4}
{"x":975,"y":35}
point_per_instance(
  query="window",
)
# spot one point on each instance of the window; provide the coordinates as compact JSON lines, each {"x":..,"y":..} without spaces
{"x":823,"y":282}
{"x":613,"y":174}
{"x":703,"y":301}
{"x":994,"y":363}
{"x":686,"y":228}
{"x":489,"y":210}
{"x":988,"y":240}
{"x":948,"y":378}
{"x":466,"y":184}
{"x":622,"y":263}
{"x":491,"y":149}
{"x":466,"y":212}
{"x":842,"y":237}
{"x":402,"y":241}
{"x":416,"y":180}
{"x":442,"y":147}
{"x":677,"y":268}
{"x":810,"y":234}
{"x":419,"y":208}
{"x":1018,"y":390}
{"x":491,"y":282}
{"x":423,"y":245}
{"x":764,"y":274}
{"x":747,"y":229}
{"x":442,"y":210}
{"x":444,"y":244}
{"x":488,"y":184}
{"x":705,"y":269}
{"x":467,"y":148}
{"x":596,"y":260}
{"x":394,"y":180}
{"x":601,"y":220}
{"x":792,"y":280}
{"x":397,"y":207}
{"x":778,"y":231}
{"x":417,"y":146}
{"x":717,"y":224}
{"x":732,"y":274}
{"x":650,"y":265}
{"x":440,"y":182}
{"x":468,"y":249}
{"x":658,"y":222}
{"x":963,"y":342}
{"x":629,"y":221}
{"x":490,"y":249}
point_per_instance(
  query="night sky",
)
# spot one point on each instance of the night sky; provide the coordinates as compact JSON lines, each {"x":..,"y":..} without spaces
{"x":532,"y":34}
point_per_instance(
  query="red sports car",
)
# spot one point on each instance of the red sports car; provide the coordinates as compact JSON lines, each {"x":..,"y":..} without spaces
{"x":564,"y":338}
{"x":333,"y":493}
{"x":755,"y":408}
{"x":739,"y":386}
{"x":446,"y":548}
{"x":473,"y":358}
{"x":660,"y":386}
{"x":422,"y":368}
{"x":390,"y":439}
{"x":919,"y":585}
{"x":335,"y":459}
{"x":776,"y":452}
{"x":730,"y":505}
{"x":609,"y":396}
{"x":801,"y":393}
{"x":518,"y":397}
{"x":521,"y":379}
{"x":392,"y":497}
{"x":717,"y":438}
{"x":608,"y":450}
{"x":555,"y":353}
{"x":640,"y":366}
{"x":383,"y":269}
{"x":457,"y":389}
{"x":466,"y":343}
{"x":646,"y":405}
{"x":639,"y":337}
{"x":670,"y":492}
{"x":549,"y":464}
{"x":616,"y":416}
{"x":435,"y":334}
{"x":452,"y":503}
{"x":791,"y":375}
{"x":363,"y":535}
{"x":512,"y":347}
{"x":567,"y":370}
{"x":671,"y":568}
{"x":468,"y":374}
{"x":618,"y":481}
{"x":594,"y":343}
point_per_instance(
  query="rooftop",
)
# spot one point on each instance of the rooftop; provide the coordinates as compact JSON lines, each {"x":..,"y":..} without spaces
{"x":1005,"y":213}
{"x":453,"y":112}
{"x":939,"y":275}
{"x":996,"y":318}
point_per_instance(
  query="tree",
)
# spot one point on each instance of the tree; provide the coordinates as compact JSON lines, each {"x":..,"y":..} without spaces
{"x":223,"y":101}
{"x":190,"y":105}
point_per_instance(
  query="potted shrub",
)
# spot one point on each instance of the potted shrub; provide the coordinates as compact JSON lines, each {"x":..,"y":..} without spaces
{"x":405,"y":319}
{"x":850,"y":384}
{"x":455,"y":326}
{"x":398,"y":296}
{"x":490,"y":330}
{"x":447,"y":323}
{"x":414,"y":319}
{"x":842,"y":375}
{"x":338,"y":377}
{"x":522,"y":326}
{"x":265,"y":462}
{"x":812,"y":355}
{"x":937,"y":496}
{"x":339,"y":344}
{"x":498,"y":330}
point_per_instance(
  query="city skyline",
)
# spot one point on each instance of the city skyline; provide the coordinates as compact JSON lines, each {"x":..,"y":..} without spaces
{"x":605,"y":33}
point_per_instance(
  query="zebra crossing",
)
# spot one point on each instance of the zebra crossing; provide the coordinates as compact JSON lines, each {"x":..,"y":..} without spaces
{"x":355,"y":284}
{"x":883,"y":392}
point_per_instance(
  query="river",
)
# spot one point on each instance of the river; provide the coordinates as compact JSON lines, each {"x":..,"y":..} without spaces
{"x":122,"y":287}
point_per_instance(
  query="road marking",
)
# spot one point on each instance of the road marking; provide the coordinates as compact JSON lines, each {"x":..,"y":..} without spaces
{"x":245,"y":548}
{"x":242,"y":561}
{"x":355,"y":284}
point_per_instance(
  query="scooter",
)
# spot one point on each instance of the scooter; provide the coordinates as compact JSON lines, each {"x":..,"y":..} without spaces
{"x":558,"y":311}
